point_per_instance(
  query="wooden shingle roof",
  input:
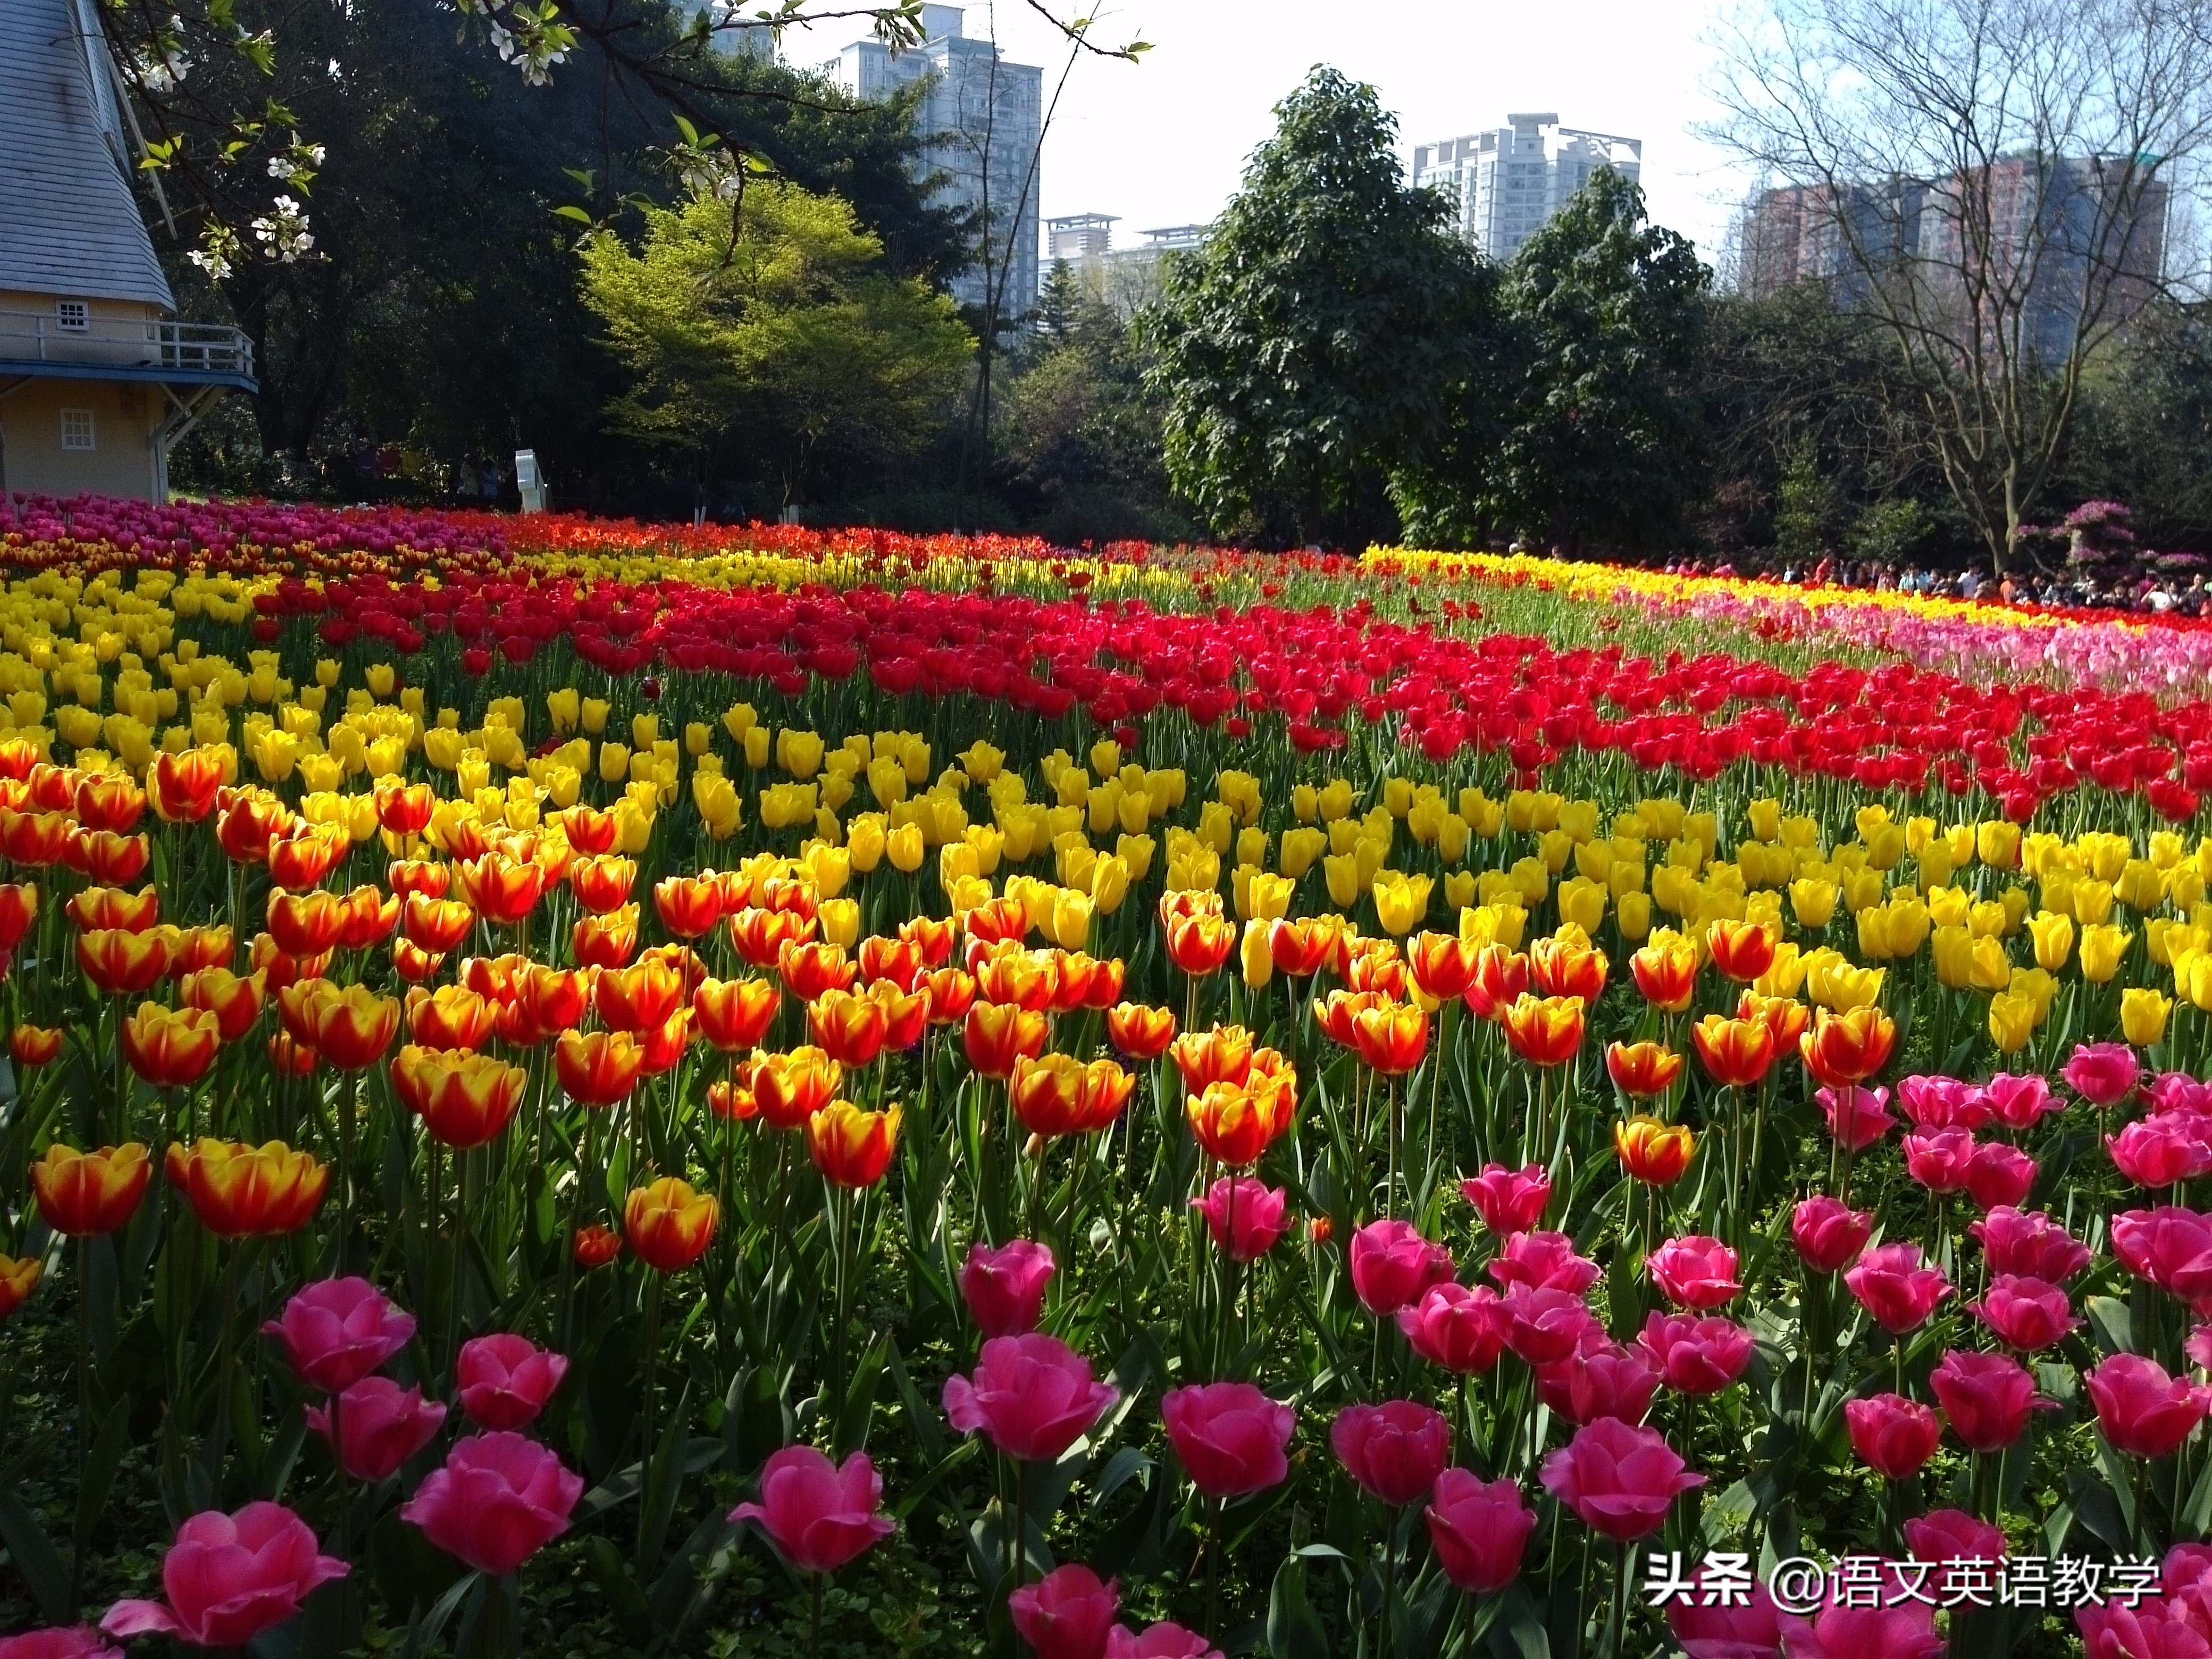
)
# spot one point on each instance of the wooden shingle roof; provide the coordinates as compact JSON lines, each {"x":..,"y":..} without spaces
{"x":69,"y":224}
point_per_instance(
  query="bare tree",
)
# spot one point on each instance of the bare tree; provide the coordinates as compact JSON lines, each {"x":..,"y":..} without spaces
{"x":1988,"y":183}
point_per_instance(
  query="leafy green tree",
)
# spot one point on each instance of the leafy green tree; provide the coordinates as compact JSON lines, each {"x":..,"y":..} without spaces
{"x":768,"y":320}
{"x":1809,"y":505}
{"x":1604,"y":448}
{"x":1311,"y":350}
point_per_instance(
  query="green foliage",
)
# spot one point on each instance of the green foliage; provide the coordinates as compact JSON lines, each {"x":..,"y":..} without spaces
{"x":1888,"y":532}
{"x":767,"y":319}
{"x":1312,"y":347}
{"x":1603,"y":447}
{"x":1809,"y":505}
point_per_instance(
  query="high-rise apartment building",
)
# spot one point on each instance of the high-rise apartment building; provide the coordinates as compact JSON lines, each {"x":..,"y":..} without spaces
{"x":2045,"y":240}
{"x":981,"y":123}
{"x":1504,"y":184}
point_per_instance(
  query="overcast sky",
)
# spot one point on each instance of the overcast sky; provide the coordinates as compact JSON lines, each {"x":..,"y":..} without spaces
{"x":1164,"y":141}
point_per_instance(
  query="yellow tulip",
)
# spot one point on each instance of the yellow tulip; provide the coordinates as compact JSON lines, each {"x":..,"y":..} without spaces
{"x":2102,"y":947}
{"x":2012,"y":1022}
{"x":2053,"y":935}
{"x":2143,"y":1015}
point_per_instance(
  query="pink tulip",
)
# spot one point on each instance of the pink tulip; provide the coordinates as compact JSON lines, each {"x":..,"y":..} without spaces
{"x":1392,"y":1265}
{"x":1828,"y":1233}
{"x":2178,"y":1091}
{"x":1938,"y":1160}
{"x":2198,"y":1347}
{"x":1986,"y":1396}
{"x":1543,"y":1261}
{"x":1005,"y":1288}
{"x":1892,"y":1436}
{"x":1953,"y":1535}
{"x":230,"y":1577}
{"x":2162,"y":1150}
{"x":1696,"y":1356}
{"x":1232,"y":1439}
{"x":1857,"y":1116}
{"x":1509,"y":1201}
{"x":504,"y":1380}
{"x":2142,"y":1411}
{"x":1031,"y":1396}
{"x":2018,"y":1102}
{"x":1892,"y":1286}
{"x":382,"y":1424}
{"x":2103,"y":1074}
{"x":1903,"y":1629}
{"x":2171,"y":1247}
{"x":1621,"y":1480}
{"x":79,"y":1642}
{"x":1067,"y":1613}
{"x":2027,"y":1314}
{"x":820,"y":1515}
{"x":1461,"y":1329}
{"x":336,"y":1331}
{"x":1942,"y":1103}
{"x":1544,"y":1327}
{"x":2176,"y":1621}
{"x":1478,"y":1529}
{"x":1694,"y":1272}
{"x":1599,"y":1378}
{"x":497,"y":1501}
{"x":1395,"y":1451}
{"x":1244,"y":1215}
{"x":1999,"y":1176}
{"x":1160,"y":1641}
{"x":2030,"y":1243}
{"x":1724,"y":1629}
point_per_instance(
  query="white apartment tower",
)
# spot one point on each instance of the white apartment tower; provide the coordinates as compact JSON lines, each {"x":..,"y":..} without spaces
{"x":1505,"y":183}
{"x":982,"y":122}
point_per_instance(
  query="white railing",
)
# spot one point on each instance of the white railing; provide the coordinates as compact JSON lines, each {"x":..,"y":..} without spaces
{"x":117,"y":343}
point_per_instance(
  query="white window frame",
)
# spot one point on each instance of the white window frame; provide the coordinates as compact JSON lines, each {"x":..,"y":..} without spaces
{"x":73,"y":316}
{"x":80,"y":423}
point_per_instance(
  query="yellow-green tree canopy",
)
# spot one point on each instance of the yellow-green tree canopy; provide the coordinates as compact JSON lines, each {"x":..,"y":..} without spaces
{"x":769,"y":322}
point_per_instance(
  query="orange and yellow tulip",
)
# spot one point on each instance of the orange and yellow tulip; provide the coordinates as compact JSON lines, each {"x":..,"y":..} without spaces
{"x":668,"y":1225}
{"x":1545,"y":1030}
{"x":638,"y":998}
{"x":182,"y":786}
{"x":808,"y":970}
{"x":405,"y":808}
{"x":598,"y":1068}
{"x":1237,"y":1125}
{"x":1499,"y":978}
{"x":35,"y":840}
{"x":951,"y":995}
{"x":352,"y":1028}
{"x":451,"y":1017}
{"x":98,"y":908}
{"x":608,"y":941}
{"x":170,"y":1048}
{"x":306,"y":924}
{"x":601,"y":882}
{"x":366,"y":917}
{"x":850,"y":1146}
{"x":1642,"y":1069}
{"x":235,"y":1000}
{"x":1564,"y":969}
{"x":240,"y":1191}
{"x":435,"y":925}
{"x":1666,"y":974}
{"x":1140,"y":1032}
{"x":1741,"y":950}
{"x":999,"y":1034}
{"x":690,"y":906}
{"x":1847,"y":1047}
{"x":787,"y":1089}
{"x":735,"y":1014}
{"x":120,"y":963}
{"x":17,"y":1280}
{"x":1653,"y":1152}
{"x":85,"y":1194}
{"x":1390,"y":1037}
{"x":19,"y":908}
{"x":1735,"y":1053}
{"x":464,"y":1099}
{"x":33,"y":1046}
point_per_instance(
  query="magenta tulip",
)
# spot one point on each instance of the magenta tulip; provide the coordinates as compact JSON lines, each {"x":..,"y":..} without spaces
{"x":2142,"y":1411}
{"x":820,"y":1515}
{"x":1953,"y":1535}
{"x":1828,"y":1233}
{"x":1461,"y":1329}
{"x":1903,"y":1629}
{"x":2178,"y":1091}
{"x":1509,"y":1201}
{"x":2162,"y":1149}
{"x":1892,"y":1286}
{"x":1005,"y":1288}
{"x":1942,"y":1103}
{"x":2027,"y":1313}
{"x":1544,"y":1327}
{"x":1031,"y":1396}
{"x":1395,"y":1451}
{"x":498,"y":1499}
{"x":1619,"y":1479}
{"x":1160,"y":1641}
{"x":2171,"y":1247}
{"x":1999,"y":1176}
{"x":1725,"y":1630}
{"x":1694,"y":1272}
{"x":504,"y":1381}
{"x":1857,"y":1116}
{"x":1479,"y":1530}
{"x":2030,"y":1243}
{"x":1599,"y":1378}
{"x":1067,"y":1613}
{"x":2017,"y":1102}
{"x":1244,"y":1215}
{"x":1696,"y":1356}
{"x":1938,"y":1159}
{"x":1892,"y":1436}
{"x":1543,"y":1261}
{"x":1232,"y":1439}
{"x":381,"y":1424}
{"x":1392,"y":1265}
{"x":2103,"y":1074}
{"x":1986,"y":1396}
{"x":230,"y":1577}
{"x":77,"y":1642}
{"x":336,"y":1331}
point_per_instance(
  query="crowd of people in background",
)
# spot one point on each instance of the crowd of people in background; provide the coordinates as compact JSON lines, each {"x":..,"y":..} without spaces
{"x":2159,"y":595}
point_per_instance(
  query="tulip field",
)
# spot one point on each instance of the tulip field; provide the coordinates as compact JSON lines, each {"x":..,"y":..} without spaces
{"x":581,"y":1089}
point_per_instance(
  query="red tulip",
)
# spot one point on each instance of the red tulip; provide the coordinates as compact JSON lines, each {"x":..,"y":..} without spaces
{"x":1696,"y":1356}
{"x":1461,"y":1329}
{"x":1986,"y":1396}
{"x":1892,"y":1436}
{"x":2027,"y":1314}
{"x":2030,"y":1243}
{"x":1545,"y":1325}
{"x":1543,"y":1261}
{"x":1480,"y":1530}
{"x":1858,"y":1117}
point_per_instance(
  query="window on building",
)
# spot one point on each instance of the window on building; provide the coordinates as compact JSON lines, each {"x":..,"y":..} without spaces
{"x":75,"y":315}
{"x":77,"y":429}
